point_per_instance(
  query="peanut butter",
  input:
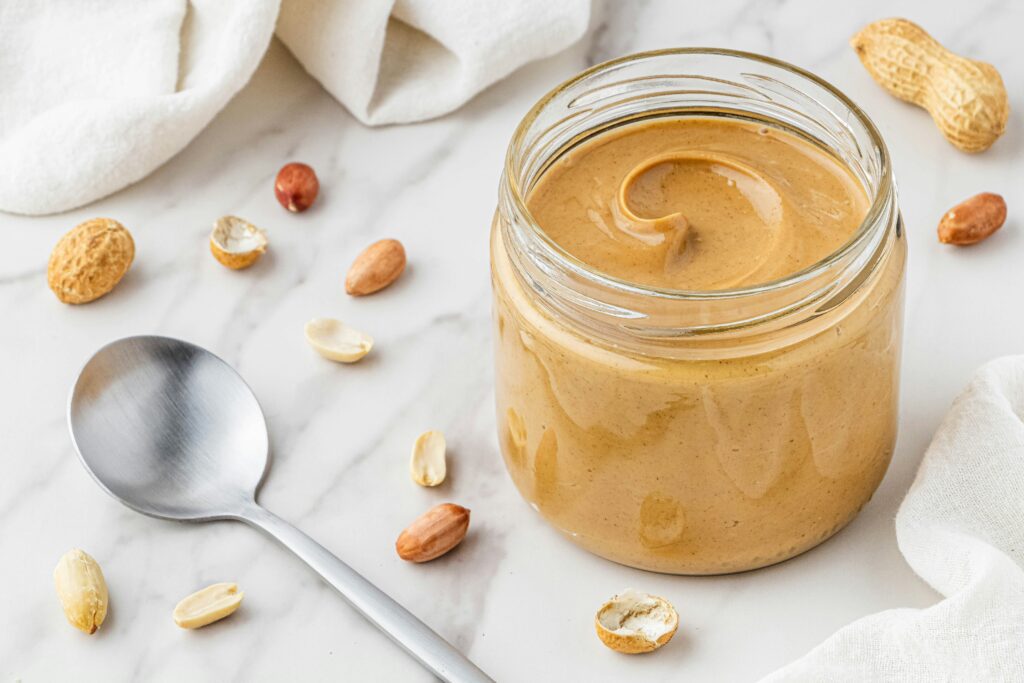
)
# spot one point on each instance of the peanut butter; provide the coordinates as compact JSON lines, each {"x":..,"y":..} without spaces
{"x":698,"y":203}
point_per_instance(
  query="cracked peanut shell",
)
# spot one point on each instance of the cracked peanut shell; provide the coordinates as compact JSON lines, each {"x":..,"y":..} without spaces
{"x":634,"y":622}
{"x":237,"y":243}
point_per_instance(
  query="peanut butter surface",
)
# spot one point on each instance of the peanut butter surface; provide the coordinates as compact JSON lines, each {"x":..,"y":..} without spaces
{"x":698,"y":203}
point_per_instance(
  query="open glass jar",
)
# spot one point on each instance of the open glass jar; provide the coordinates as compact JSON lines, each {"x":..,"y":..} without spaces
{"x":697,"y":432}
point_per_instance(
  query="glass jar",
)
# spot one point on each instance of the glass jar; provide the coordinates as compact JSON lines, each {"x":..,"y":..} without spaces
{"x":697,"y":432}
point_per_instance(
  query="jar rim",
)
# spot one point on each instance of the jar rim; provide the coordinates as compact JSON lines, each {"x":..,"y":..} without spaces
{"x":880,"y":201}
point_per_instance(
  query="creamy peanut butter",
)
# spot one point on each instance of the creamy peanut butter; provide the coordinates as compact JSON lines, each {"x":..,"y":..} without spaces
{"x":698,"y":203}
{"x":719,"y":462}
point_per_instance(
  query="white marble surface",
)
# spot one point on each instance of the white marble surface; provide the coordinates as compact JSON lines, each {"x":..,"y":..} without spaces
{"x":517,"y":597}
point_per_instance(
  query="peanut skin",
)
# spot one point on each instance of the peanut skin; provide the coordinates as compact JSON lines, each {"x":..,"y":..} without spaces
{"x":296,"y":186}
{"x":375,"y":268}
{"x":973,"y":220}
{"x":433,"y":533}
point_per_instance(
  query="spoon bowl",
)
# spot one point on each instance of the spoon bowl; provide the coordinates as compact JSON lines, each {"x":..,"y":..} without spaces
{"x":172,"y":431}
{"x":169,"y":429}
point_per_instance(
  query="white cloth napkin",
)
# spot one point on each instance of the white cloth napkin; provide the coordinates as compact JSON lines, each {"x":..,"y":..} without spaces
{"x":961,"y":528}
{"x":397,"y":61}
{"x":96,"y":94}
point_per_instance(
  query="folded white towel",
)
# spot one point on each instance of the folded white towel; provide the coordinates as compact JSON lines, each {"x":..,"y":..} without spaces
{"x":397,"y":61}
{"x":961,"y":528}
{"x":96,"y":94}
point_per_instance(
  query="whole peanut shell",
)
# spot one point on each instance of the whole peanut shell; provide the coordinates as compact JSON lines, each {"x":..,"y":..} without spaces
{"x":90,"y":260}
{"x":966,"y":98}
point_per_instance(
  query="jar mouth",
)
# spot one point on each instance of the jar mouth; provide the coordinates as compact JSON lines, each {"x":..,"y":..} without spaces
{"x":878,"y":214}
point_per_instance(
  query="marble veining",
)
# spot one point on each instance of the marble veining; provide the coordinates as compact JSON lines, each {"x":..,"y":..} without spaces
{"x":517,"y":597}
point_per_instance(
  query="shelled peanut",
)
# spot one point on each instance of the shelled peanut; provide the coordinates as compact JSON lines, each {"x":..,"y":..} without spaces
{"x":973,"y":220}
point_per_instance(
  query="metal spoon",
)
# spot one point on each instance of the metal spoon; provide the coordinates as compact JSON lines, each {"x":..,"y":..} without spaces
{"x":172,"y":431}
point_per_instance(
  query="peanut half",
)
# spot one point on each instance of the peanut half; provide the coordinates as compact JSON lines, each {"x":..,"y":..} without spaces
{"x":375,"y":268}
{"x":82,"y":590}
{"x":427,"y":465}
{"x":433,"y":533}
{"x":208,"y":605}
{"x":336,"y":341}
{"x":966,"y":98}
{"x":973,"y":220}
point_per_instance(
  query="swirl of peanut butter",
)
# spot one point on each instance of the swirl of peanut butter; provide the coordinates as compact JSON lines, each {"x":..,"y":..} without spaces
{"x":699,"y":204}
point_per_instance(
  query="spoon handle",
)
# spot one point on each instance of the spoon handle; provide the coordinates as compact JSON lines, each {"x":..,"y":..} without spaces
{"x":432,"y":651}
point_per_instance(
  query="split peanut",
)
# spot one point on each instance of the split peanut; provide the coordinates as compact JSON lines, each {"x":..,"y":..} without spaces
{"x":428,"y":466}
{"x":208,"y":605}
{"x":336,"y":341}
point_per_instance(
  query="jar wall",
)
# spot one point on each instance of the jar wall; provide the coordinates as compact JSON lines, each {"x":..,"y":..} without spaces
{"x":706,"y":465}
